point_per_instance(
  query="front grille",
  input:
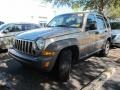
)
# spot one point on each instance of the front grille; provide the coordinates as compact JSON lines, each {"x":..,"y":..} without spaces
{"x":24,"y":46}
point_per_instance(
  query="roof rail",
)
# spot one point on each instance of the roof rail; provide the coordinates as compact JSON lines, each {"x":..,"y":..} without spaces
{"x":93,"y":11}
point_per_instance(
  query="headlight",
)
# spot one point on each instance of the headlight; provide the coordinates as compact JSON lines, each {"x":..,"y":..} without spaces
{"x":40,"y":43}
{"x":13,"y":41}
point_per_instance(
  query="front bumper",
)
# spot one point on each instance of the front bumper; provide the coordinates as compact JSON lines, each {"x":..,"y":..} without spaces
{"x":36,"y":61}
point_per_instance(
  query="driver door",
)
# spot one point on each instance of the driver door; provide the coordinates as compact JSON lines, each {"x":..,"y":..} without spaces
{"x":91,"y":30}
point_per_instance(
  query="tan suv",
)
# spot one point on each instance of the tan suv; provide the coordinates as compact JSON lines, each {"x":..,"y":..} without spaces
{"x":66,"y":39}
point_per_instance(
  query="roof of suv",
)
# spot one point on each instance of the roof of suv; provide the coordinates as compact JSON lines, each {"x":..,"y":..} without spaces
{"x":85,"y":12}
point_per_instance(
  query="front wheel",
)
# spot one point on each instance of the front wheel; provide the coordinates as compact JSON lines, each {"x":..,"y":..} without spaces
{"x":105,"y":50}
{"x":1,"y":50}
{"x":64,"y":65}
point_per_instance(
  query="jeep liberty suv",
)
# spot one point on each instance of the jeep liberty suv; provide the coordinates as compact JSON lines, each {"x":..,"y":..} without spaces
{"x":66,"y":39}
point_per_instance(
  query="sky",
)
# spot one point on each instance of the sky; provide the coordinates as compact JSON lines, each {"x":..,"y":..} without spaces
{"x":23,"y":10}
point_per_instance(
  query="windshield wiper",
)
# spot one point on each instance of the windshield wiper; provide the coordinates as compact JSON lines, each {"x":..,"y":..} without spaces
{"x":61,"y":26}
{"x":58,"y":26}
{"x":49,"y":26}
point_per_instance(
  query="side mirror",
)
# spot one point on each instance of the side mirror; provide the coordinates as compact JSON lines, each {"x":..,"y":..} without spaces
{"x":6,"y":31}
{"x":91,"y":26}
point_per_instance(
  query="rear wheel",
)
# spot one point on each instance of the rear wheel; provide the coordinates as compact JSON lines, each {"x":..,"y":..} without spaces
{"x":64,"y":65}
{"x":105,"y":50}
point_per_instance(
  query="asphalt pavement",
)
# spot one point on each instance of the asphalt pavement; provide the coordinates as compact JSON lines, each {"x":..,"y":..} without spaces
{"x":14,"y":76}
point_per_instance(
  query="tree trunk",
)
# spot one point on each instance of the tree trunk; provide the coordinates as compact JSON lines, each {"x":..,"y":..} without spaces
{"x":101,"y":7}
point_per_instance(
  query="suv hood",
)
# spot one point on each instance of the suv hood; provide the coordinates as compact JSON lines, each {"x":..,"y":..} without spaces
{"x":46,"y":33}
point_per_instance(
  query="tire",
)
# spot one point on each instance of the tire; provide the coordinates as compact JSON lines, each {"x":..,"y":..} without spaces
{"x":105,"y":51}
{"x":1,"y":50}
{"x":64,"y":65}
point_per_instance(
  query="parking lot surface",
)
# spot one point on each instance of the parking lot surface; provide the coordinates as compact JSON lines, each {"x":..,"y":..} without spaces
{"x":13,"y":76}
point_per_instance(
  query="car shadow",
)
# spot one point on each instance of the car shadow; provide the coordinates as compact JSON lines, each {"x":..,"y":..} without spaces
{"x":113,"y":85}
{"x":83,"y":72}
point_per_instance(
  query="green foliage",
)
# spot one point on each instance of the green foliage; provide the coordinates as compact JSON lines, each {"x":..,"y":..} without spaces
{"x":113,"y":12}
{"x":88,"y":4}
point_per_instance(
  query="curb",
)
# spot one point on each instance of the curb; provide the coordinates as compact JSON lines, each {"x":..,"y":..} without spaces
{"x":100,"y":80}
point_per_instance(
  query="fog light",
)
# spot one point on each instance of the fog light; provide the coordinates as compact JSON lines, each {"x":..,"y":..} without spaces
{"x":46,"y":64}
{"x":48,"y":53}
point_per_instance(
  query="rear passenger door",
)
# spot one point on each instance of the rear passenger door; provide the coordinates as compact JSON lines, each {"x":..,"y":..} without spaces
{"x":102,"y":31}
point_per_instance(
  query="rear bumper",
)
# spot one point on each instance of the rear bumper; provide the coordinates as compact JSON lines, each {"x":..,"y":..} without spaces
{"x":36,"y":61}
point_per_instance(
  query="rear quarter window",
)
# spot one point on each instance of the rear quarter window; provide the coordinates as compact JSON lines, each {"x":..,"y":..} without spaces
{"x":100,"y":22}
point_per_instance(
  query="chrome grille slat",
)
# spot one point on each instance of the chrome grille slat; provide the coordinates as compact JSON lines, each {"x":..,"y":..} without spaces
{"x":24,"y":46}
{"x":18,"y":44}
{"x":28,"y":48}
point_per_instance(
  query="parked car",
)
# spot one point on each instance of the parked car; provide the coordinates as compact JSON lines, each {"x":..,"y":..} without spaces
{"x":8,"y":32}
{"x":115,"y":26}
{"x":66,"y":39}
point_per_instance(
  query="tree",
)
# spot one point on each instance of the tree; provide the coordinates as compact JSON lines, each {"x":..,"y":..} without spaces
{"x":99,"y":5}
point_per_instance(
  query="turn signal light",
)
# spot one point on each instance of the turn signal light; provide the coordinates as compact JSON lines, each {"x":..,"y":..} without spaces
{"x":48,"y":53}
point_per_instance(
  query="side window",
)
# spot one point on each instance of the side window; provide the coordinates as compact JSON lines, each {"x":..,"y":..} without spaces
{"x":58,"y":21}
{"x":33,"y":26}
{"x":8,"y":28}
{"x":14,"y":28}
{"x":29,"y":26}
{"x":107,"y":22}
{"x":101,"y":22}
{"x":26,"y":27}
{"x":91,"y":23}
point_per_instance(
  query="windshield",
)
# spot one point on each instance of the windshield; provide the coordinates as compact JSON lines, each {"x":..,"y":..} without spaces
{"x":3,"y":26}
{"x":115,"y":25}
{"x":67,"y":20}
